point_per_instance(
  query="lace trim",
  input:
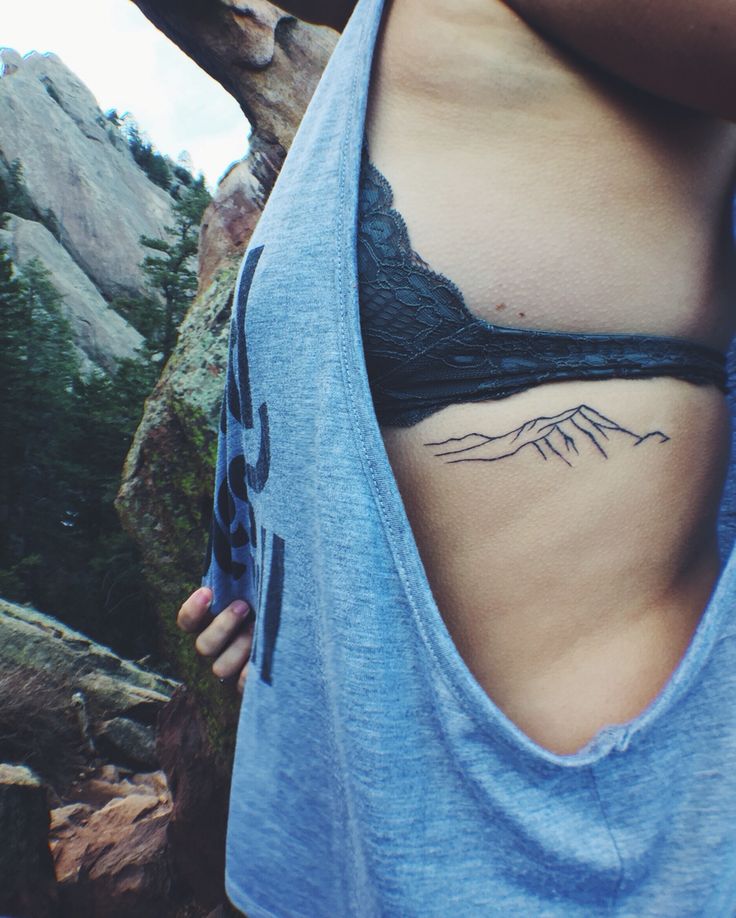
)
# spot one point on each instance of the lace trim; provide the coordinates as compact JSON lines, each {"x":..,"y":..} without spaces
{"x":404,"y":242}
{"x":424,"y":349}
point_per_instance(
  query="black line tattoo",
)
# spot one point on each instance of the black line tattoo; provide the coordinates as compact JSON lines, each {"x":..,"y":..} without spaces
{"x":550,"y":436}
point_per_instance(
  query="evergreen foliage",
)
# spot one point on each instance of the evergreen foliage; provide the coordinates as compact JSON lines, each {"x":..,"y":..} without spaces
{"x":185,"y":176}
{"x":142,"y":313}
{"x":162,"y":170}
{"x":171,"y":271}
{"x":14,"y":196}
{"x":113,"y":117}
{"x":64,"y":435}
{"x":171,"y":275}
{"x":63,"y":440}
{"x":15,"y":199}
{"x":153,"y":164}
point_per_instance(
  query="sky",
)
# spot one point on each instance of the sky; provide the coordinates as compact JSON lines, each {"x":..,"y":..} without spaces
{"x":129,"y":65}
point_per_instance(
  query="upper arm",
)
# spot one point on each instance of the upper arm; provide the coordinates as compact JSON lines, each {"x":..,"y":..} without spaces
{"x":676,"y":49}
{"x":333,"y":13}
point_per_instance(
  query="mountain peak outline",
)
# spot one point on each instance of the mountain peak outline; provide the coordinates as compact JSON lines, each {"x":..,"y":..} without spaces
{"x":554,"y":436}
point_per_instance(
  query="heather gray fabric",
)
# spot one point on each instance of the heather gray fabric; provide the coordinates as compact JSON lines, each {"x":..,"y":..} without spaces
{"x":373,"y":776}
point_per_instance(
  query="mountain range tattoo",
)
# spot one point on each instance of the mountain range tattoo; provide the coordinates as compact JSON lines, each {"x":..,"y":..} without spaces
{"x":550,"y":437}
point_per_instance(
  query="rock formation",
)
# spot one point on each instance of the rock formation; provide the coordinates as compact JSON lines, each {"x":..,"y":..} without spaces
{"x":83,"y":182}
{"x":112,"y":800}
{"x":101,"y":336}
{"x":112,"y":687}
{"x":113,"y":859}
{"x":271,"y":63}
{"x":27,"y":881}
{"x":126,"y":840}
{"x":266,"y":59}
{"x":78,"y":166}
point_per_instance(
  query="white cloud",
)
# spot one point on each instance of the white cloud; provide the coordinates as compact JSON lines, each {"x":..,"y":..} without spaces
{"x":129,"y":65}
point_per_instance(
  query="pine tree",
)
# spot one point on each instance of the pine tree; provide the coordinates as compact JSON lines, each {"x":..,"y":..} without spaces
{"x":113,"y":117}
{"x":39,"y":367}
{"x":152,"y":163}
{"x":18,"y":200}
{"x":63,"y":440}
{"x":64,"y":437}
{"x":13,"y":357}
{"x":107,"y":569}
{"x":142,"y":312}
{"x":171,"y":274}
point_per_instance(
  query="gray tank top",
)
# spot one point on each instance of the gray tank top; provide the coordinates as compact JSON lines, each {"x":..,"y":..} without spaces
{"x":373,"y":776}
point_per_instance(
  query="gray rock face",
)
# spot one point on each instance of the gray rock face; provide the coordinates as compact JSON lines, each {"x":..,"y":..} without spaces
{"x":101,"y":335}
{"x":128,"y":741}
{"x":78,"y":166}
{"x":270,"y":62}
{"x":110,"y":685}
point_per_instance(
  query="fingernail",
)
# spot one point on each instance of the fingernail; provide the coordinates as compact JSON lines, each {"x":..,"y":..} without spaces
{"x":240,"y":607}
{"x":204,"y":596}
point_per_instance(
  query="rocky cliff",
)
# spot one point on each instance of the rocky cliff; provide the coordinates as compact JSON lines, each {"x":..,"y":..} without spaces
{"x":101,"y":336}
{"x":90,"y":198}
{"x":125,"y":840}
{"x":112,"y":803}
{"x":271,"y":63}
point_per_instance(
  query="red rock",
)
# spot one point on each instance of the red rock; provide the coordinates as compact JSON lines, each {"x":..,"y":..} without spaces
{"x":200,"y":784}
{"x":115,"y":863}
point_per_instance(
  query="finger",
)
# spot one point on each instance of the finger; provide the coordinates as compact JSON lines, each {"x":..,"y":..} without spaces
{"x":223,"y":628}
{"x":193,"y":613}
{"x":235,"y":656}
{"x":243,"y":676}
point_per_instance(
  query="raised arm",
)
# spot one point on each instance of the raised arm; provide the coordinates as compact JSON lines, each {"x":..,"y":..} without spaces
{"x":334,"y":13}
{"x":680,"y":50}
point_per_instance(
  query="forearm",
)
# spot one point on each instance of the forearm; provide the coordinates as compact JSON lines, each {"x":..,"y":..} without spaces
{"x":681,"y":50}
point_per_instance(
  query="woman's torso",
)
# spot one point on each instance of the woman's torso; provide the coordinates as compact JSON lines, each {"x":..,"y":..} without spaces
{"x":556,"y":199}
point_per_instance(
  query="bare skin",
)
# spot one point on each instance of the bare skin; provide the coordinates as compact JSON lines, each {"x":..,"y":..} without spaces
{"x":226,"y":639}
{"x":570,"y":593}
{"x":669,"y":48}
{"x":565,"y":200}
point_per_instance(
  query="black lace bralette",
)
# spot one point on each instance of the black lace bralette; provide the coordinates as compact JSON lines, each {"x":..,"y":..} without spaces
{"x":424,"y":350}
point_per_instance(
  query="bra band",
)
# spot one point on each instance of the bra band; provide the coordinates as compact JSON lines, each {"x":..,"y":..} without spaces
{"x":478,"y":369}
{"x":425,"y":350}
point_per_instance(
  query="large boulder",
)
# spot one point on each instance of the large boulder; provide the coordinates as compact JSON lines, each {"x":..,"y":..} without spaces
{"x":78,"y":168}
{"x":268,"y":60}
{"x":231,"y":217}
{"x":68,"y":700}
{"x":114,"y":861}
{"x":201,"y":781}
{"x":271,"y":63}
{"x":108,"y":685}
{"x":101,"y":336}
{"x":119,"y":755}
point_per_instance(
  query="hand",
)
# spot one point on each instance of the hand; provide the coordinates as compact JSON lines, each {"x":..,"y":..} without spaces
{"x":227,"y":637}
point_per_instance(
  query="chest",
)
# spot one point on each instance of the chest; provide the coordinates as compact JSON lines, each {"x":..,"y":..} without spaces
{"x":563,"y":203}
